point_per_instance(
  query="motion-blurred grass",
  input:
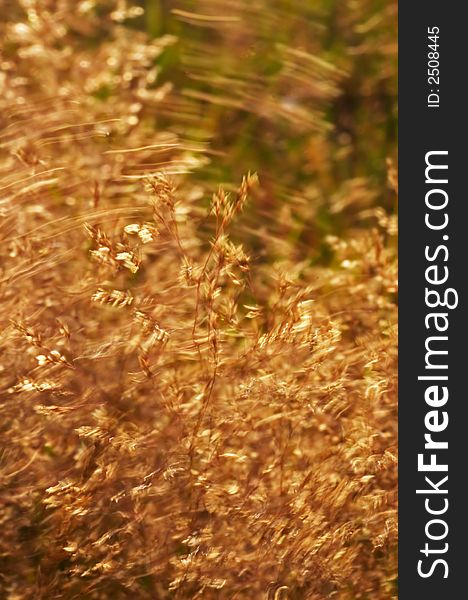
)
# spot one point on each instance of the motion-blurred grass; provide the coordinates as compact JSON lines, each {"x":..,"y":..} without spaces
{"x":198,"y":363}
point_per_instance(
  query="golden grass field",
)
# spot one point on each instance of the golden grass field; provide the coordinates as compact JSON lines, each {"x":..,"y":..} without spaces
{"x":198,"y":286}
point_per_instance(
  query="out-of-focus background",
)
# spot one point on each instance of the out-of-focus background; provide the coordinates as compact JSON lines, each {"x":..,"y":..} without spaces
{"x":304,"y":93}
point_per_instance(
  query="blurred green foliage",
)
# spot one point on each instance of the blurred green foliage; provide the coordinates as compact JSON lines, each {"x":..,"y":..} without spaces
{"x":304,"y":93}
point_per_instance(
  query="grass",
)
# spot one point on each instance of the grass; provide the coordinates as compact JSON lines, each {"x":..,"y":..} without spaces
{"x":198,"y":300}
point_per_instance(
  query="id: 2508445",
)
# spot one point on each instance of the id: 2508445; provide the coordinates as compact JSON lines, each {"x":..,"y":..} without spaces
{"x":433,"y":67}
